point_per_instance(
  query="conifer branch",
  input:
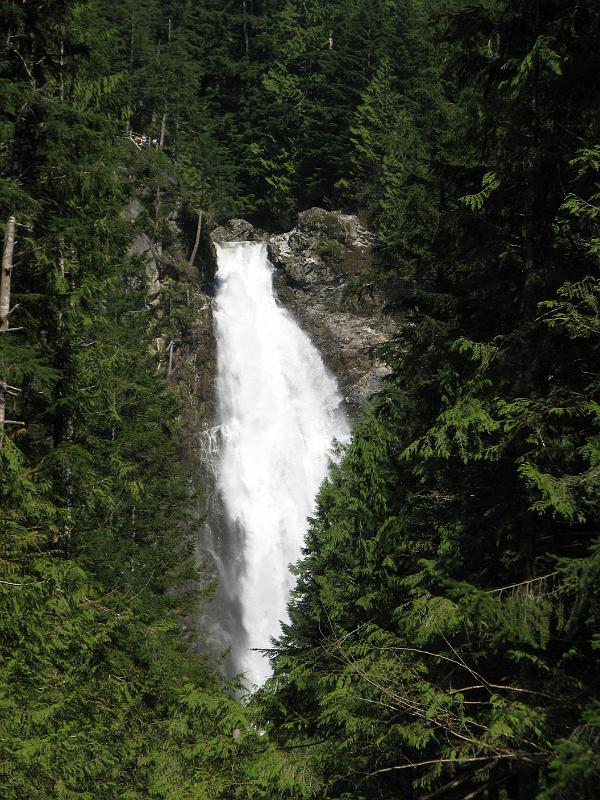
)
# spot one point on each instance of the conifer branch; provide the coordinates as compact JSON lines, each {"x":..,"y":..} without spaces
{"x":459,"y":760}
{"x":522,"y":583}
{"x":29,"y":72}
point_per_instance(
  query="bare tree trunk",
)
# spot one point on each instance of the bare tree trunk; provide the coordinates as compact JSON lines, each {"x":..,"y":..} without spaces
{"x":2,"y":409}
{"x":62,"y":69}
{"x":5,"y":275}
{"x":245,"y":25}
{"x":170,"y":367}
{"x":130,"y":76}
{"x":163,"y":129}
{"x":197,"y":241}
{"x":534,"y":217}
{"x":176,"y":131}
{"x":163,"y":124}
{"x":7,"y":265}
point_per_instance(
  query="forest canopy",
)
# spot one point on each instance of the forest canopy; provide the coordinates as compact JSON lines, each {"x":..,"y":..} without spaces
{"x":443,"y":640}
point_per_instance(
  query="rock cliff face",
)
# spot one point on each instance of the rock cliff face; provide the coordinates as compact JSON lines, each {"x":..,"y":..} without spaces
{"x":238,"y":230}
{"x":178,"y":291}
{"x":321,"y":277}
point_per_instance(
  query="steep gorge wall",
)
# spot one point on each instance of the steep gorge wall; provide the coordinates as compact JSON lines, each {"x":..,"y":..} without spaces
{"x":181,"y":293}
{"x":322,"y":276}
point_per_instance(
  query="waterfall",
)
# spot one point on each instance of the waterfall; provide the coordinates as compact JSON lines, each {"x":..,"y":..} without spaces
{"x":279,"y":412}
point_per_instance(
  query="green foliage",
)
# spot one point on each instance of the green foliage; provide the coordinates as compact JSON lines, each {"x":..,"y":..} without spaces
{"x":96,"y":561}
{"x":330,"y":250}
{"x":447,"y":608}
{"x":475,"y":202}
{"x":445,"y":616}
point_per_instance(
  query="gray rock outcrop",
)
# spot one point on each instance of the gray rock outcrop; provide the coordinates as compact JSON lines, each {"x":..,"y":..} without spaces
{"x":321,"y":276}
{"x":238,"y":230}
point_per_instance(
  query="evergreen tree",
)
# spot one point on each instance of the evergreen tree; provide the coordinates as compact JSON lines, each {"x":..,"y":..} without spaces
{"x":440,"y":643}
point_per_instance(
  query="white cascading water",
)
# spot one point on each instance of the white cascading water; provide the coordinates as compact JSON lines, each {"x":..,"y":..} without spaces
{"x":279,"y":413}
